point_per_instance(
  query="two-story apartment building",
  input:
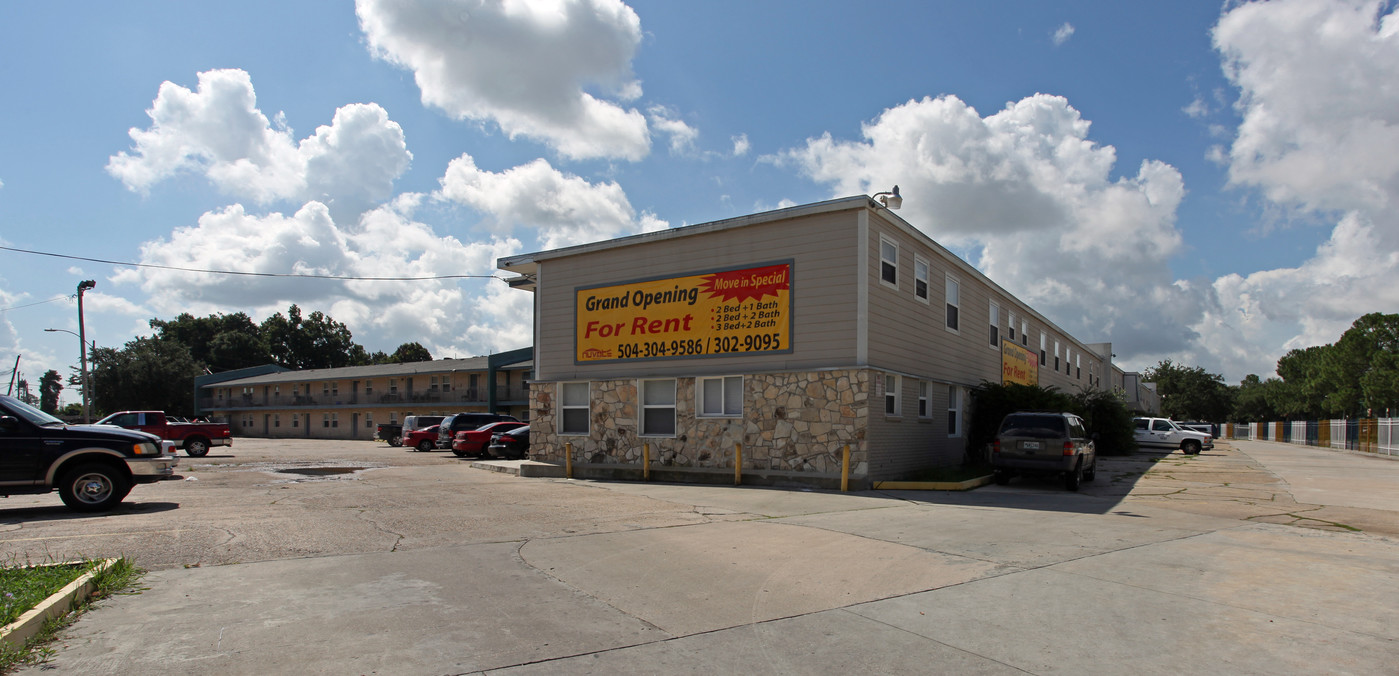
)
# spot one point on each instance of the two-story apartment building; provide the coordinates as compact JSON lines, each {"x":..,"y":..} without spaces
{"x":347,"y":403}
{"x":792,"y":333}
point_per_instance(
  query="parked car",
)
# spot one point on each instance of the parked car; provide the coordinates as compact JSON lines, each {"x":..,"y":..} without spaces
{"x":1032,"y":442}
{"x":511,"y":445}
{"x":390,"y":432}
{"x":474,"y":442}
{"x":414,"y":423}
{"x":462,"y":422}
{"x":424,"y":439}
{"x":1166,"y":433}
{"x":194,"y":437}
{"x":92,"y":467}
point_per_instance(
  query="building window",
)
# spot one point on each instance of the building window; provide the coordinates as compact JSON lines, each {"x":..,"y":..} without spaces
{"x":888,"y":262}
{"x":369,"y":421}
{"x":295,"y":420}
{"x":1025,"y":333}
{"x":921,"y":271}
{"x":1068,"y":360}
{"x":954,"y":303}
{"x":925,"y":388}
{"x":276,"y":419}
{"x":432,"y":384}
{"x":1056,"y":356}
{"x":954,"y":411}
{"x":1078,"y":366}
{"x":393,"y":385}
{"x":573,"y":403}
{"x":335,"y":389}
{"x":995,"y":316}
{"x":658,"y":408}
{"x":369,"y":387}
{"x":325,"y":389}
{"x":393,"y":417}
{"x":1042,"y":351}
{"x":325,"y":420}
{"x":721,"y":397}
{"x":1011,"y":324}
{"x":891,"y":394}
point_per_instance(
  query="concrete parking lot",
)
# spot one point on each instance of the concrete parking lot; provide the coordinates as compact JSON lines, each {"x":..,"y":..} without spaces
{"x":352,"y":557}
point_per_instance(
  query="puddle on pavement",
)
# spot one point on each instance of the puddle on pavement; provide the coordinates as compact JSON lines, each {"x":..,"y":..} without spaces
{"x":321,"y":471}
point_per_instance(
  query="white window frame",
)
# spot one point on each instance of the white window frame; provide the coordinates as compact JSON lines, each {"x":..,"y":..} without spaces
{"x":325,"y":420}
{"x":925,"y":392}
{"x":726,"y":407}
{"x":564,"y":405}
{"x":952,"y":296}
{"x":954,"y":412}
{"x":1044,"y":354}
{"x":276,"y":419}
{"x":994,"y":315}
{"x":1010,"y":323}
{"x":922,"y":274}
{"x":335,"y":420}
{"x":1056,"y":355}
{"x":893,"y":403}
{"x":1024,"y":333}
{"x":894,"y":263}
{"x":1078,"y":366}
{"x":369,"y":420}
{"x":643,"y":407}
{"x":296,"y":420}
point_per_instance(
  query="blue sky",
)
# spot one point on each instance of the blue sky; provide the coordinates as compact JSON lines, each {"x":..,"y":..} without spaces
{"x":1216,"y":182}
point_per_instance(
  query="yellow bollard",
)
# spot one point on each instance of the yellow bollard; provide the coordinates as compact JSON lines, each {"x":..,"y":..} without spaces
{"x":568,"y":459}
{"x":845,"y":470}
{"x":738,"y":464}
{"x":646,"y":462}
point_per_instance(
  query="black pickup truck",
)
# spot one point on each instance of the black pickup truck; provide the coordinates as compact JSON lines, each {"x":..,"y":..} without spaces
{"x":92,"y":467}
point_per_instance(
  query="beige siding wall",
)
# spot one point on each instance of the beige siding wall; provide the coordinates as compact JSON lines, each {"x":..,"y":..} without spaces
{"x":823,"y":294}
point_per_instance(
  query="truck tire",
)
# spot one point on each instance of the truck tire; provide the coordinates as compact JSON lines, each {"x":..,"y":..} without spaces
{"x":395,"y":441}
{"x":197,"y":447}
{"x":94,"y":487}
{"x":1074,"y":477}
{"x":1190,"y":446}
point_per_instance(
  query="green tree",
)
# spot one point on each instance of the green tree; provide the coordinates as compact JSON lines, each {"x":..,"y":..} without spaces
{"x":149,"y":373}
{"x":49,"y":386}
{"x":315,"y":342}
{"x":1251,"y":401}
{"x":220,"y":342}
{"x":1305,"y":392}
{"x":1189,"y":393}
{"x":1368,"y":347}
{"x":409,"y":352}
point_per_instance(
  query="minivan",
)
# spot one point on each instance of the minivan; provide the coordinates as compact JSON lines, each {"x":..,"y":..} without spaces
{"x":466,"y":421}
{"x":1034,"y":442}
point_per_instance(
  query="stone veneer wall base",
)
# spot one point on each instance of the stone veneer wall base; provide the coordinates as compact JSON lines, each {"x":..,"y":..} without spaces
{"x":752,"y":477}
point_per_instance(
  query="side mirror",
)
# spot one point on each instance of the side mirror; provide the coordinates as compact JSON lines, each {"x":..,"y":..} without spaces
{"x":8,"y":423}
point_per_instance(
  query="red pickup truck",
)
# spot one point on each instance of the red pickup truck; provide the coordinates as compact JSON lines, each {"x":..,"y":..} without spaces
{"x":195,"y":438}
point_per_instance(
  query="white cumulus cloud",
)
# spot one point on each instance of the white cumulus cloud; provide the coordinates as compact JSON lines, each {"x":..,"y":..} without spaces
{"x":538,"y":202}
{"x":1319,"y":135}
{"x":1062,"y":33}
{"x":218,"y":131}
{"x":1028,"y":189}
{"x":536,"y":69}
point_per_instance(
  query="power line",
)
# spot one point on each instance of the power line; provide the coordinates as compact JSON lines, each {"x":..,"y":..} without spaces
{"x":247,"y":274}
{"x":16,"y":307}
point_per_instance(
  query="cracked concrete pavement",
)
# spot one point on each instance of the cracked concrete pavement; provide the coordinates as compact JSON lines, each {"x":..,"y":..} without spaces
{"x":1252,"y":558}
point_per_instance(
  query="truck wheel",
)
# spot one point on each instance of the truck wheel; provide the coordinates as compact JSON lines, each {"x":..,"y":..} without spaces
{"x":1075,"y":477}
{"x":1092,"y":472}
{"x":93,"y":487}
{"x":197,"y":447}
{"x":395,"y":441}
{"x":1190,"y":446}
{"x":426,"y":445}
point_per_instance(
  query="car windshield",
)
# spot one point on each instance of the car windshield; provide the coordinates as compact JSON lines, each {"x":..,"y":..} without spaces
{"x":1048,"y":426}
{"x":28,"y":412}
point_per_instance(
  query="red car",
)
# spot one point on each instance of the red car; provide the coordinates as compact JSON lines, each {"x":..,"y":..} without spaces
{"x":424,"y":439}
{"x":474,"y":442}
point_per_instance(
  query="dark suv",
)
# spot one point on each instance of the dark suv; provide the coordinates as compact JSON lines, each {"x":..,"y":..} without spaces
{"x":1031,"y":442}
{"x":462,"y":422}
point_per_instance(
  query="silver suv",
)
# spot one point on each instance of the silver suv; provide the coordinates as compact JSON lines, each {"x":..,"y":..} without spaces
{"x":1032,"y":442}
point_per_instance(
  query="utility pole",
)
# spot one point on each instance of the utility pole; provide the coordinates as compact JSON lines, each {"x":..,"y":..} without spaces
{"x":82,"y":342}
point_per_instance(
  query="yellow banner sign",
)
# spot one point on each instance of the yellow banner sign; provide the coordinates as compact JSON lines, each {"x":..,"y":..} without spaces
{"x":1018,"y":365}
{"x":741,"y":311}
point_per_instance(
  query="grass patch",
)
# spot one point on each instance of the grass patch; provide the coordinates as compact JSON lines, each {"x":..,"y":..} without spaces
{"x":29,"y":583}
{"x":952,"y":474}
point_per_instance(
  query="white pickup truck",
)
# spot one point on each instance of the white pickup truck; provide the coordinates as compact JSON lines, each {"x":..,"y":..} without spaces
{"x":1165,"y":433}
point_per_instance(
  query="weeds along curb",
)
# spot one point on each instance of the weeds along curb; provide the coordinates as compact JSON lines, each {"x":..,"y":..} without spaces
{"x":28,"y":624}
{"x":932,"y":485}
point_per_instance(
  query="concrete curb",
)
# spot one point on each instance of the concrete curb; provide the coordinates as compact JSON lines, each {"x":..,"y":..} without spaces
{"x":523,"y":468}
{"x":18,"y":632}
{"x":932,"y":485}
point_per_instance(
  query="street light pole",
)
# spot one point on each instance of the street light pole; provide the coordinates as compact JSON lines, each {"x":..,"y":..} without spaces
{"x":82,"y":342}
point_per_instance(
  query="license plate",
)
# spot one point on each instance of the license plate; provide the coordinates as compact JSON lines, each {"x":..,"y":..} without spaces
{"x":1030,"y":445}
